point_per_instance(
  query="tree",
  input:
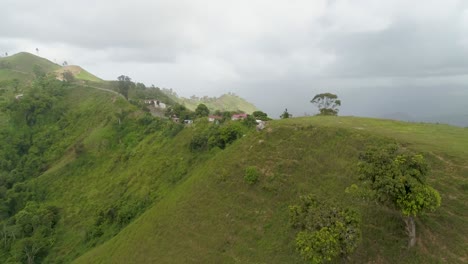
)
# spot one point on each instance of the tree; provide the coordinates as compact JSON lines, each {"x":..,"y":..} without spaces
{"x":326,"y":231}
{"x":124,"y":85}
{"x":260,"y":116}
{"x":202,"y":110}
{"x":285,"y":114}
{"x":65,"y":63}
{"x":398,"y":179}
{"x":327,"y":103}
{"x":37,"y":50}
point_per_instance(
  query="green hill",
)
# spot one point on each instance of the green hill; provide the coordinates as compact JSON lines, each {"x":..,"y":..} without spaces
{"x":87,"y":177}
{"x":226,"y":102}
{"x":24,"y":66}
{"x":25,"y":62}
{"x":215,"y":217}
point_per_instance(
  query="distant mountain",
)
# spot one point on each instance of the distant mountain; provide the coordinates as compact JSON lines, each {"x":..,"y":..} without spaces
{"x":226,"y":102}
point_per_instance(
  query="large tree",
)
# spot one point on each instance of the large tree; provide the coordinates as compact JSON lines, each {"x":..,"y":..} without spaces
{"x":124,"y":85}
{"x":397,"y":179}
{"x":326,"y":230}
{"x":202,"y":110}
{"x":327,"y":103}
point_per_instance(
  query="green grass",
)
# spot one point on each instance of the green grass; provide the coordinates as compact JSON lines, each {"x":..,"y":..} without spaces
{"x":84,"y":75}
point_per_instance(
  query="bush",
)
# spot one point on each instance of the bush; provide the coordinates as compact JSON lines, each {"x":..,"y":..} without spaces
{"x":251,"y":175}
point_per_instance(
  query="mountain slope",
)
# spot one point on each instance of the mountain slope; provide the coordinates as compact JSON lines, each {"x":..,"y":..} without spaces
{"x":214,"y":216}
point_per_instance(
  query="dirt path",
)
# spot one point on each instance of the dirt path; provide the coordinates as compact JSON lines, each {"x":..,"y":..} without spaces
{"x":106,"y":90}
{"x":448,"y":162}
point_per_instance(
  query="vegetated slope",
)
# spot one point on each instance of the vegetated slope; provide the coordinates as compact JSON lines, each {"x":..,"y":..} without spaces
{"x":214,"y":216}
{"x":226,"y":102}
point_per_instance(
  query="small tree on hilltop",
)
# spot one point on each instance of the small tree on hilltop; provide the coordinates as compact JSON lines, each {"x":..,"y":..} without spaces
{"x":285,"y":114}
{"x":398,"y":180}
{"x":327,"y":103}
{"x":326,"y":231}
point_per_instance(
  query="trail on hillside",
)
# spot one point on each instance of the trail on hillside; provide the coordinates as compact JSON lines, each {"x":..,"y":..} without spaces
{"x":106,"y":90}
{"x":447,"y":162}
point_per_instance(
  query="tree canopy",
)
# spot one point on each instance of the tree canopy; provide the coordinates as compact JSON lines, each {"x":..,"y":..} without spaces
{"x":202,"y":110}
{"x":124,"y":85}
{"x":398,"y":180}
{"x":327,"y":103}
{"x":326,"y":231}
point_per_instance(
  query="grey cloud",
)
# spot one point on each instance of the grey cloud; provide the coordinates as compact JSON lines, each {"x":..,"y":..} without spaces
{"x":405,"y":48}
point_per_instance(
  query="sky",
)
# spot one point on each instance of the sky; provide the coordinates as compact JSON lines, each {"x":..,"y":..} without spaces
{"x":386,"y":58}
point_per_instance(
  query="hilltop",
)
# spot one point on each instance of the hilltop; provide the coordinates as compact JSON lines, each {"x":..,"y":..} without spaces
{"x":89,"y":177}
{"x":25,"y":66}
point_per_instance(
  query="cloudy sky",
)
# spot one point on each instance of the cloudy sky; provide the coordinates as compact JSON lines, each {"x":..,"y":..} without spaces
{"x":381,"y":57}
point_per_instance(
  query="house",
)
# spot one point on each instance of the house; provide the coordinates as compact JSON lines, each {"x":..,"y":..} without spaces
{"x":239,"y":116}
{"x":212,"y":118}
{"x":188,"y":122}
{"x":156,"y":103}
{"x":18,"y":96}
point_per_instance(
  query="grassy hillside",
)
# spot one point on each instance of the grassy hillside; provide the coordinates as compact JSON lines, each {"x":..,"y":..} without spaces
{"x":79,"y":73}
{"x":25,"y":62}
{"x":215,"y":217}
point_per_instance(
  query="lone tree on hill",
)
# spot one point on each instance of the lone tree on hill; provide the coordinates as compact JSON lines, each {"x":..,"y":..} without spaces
{"x":285,"y":114}
{"x":327,"y":103}
{"x":398,"y":179}
{"x":124,"y":85}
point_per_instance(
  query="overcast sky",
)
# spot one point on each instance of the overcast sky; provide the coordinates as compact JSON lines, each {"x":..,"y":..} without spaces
{"x":381,"y":57}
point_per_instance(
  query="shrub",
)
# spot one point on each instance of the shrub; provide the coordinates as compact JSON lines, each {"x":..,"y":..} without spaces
{"x":251,"y":175}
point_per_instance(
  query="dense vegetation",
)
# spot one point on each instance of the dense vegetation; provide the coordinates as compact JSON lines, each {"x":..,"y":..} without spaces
{"x":89,"y":177}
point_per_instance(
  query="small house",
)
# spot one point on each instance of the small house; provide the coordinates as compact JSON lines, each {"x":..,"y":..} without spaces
{"x":239,"y":116}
